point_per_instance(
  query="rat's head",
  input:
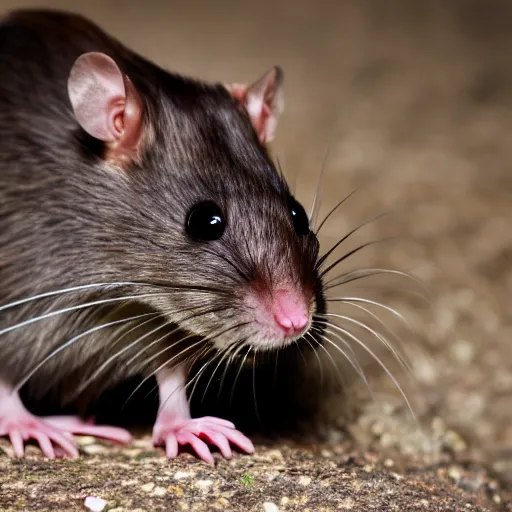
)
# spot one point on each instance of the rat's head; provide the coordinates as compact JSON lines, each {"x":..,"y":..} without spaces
{"x":213,"y":227}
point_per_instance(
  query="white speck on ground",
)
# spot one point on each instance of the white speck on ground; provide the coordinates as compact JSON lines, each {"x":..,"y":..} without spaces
{"x":95,"y":504}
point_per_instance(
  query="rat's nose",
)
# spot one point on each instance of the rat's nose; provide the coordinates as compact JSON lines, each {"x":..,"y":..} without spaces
{"x":290,"y":312}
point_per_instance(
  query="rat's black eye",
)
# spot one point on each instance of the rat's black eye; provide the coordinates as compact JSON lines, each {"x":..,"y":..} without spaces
{"x":299,"y":217}
{"x":205,"y":221}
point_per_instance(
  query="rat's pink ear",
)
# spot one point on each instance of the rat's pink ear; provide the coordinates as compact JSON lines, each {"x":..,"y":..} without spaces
{"x":264,"y":102}
{"x":105,"y":102}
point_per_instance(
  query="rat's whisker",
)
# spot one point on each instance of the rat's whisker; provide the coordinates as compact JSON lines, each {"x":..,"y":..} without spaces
{"x":225,"y":353}
{"x":338,"y":205}
{"x":232,"y":357}
{"x":313,"y":348}
{"x":162,"y":366}
{"x":353,"y":275}
{"x":347,"y":236}
{"x":106,"y":286}
{"x":78,"y":308}
{"x":381,"y":364}
{"x":118,"y":354}
{"x":338,"y":372}
{"x":70,"y":342}
{"x":187,"y":287}
{"x":98,"y":371}
{"x":220,"y":354}
{"x":398,"y":356}
{"x":240,"y":367}
{"x":297,"y":346}
{"x":196,"y":314}
{"x":195,"y":380}
{"x":62,"y":291}
{"x":314,"y":207}
{"x":166,"y":363}
{"x":354,"y":302}
{"x":354,"y":251}
{"x":254,"y":385}
{"x":276,"y":364}
{"x":244,"y":274}
{"x":350,"y":356}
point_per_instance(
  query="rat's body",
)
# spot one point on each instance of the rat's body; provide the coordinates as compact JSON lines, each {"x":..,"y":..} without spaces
{"x":109,"y":167}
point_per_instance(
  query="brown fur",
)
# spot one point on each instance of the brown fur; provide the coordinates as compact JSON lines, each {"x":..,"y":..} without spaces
{"x":69,"y":219}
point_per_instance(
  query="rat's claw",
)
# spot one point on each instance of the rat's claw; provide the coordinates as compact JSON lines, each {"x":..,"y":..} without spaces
{"x":237,"y":438}
{"x":199,"y":446}
{"x":194,"y":432}
{"x":221,"y":442}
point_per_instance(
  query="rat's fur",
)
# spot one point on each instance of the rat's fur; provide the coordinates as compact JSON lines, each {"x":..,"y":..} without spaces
{"x":69,"y":219}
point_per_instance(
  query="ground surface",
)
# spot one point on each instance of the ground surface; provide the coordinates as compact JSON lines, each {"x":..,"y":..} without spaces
{"x":417,"y":98}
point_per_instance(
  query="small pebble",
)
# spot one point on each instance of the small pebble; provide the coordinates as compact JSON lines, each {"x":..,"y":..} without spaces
{"x":270,"y":507}
{"x":126,"y":483}
{"x":94,"y":449}
{"x":95,"y":504}
{"x":389,"y":463}
{"x":148,"y":487}
{"x":181,"y":475}
{"x":159,"y":491}
{"x":304,"y":480}
{"x":85,"y":440}
{"x":204,"y":484}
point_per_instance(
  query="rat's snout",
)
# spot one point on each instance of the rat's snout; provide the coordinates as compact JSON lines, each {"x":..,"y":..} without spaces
{"x":290,"y":311}
{"x":282,"y":314}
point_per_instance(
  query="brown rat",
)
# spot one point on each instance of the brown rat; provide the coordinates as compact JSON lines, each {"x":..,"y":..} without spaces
{"x":144,"y":227}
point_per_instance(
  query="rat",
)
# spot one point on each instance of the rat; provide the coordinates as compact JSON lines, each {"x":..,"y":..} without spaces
{"x":144,"y":226}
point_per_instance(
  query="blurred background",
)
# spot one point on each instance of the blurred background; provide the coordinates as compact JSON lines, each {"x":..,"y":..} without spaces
{"x":413,"y":101}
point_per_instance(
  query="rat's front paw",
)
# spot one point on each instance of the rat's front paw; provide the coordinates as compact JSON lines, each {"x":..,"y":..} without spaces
{"x":23,"y":427}
{"x":174,"y":433}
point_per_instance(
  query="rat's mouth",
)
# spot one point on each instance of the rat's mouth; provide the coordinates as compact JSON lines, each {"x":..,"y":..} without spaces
{"x":256,"y":348}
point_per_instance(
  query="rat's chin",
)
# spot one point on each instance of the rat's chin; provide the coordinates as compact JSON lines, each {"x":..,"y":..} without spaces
{"x":272,"y":339}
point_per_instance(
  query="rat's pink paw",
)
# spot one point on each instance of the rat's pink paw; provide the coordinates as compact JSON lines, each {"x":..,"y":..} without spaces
{"x":194,"y":432}
{"x":54,"y":434}
{"x":25,"y":426}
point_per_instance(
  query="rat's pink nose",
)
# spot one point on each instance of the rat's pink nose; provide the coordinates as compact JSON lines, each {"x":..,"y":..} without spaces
{"x":290,"y":312}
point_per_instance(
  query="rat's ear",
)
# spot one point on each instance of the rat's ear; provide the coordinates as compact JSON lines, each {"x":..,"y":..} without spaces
{"x":105,"y":102}
{"x":264,"y":102}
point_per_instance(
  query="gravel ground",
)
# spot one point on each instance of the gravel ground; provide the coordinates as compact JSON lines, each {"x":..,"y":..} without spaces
{"x":413,"y":100}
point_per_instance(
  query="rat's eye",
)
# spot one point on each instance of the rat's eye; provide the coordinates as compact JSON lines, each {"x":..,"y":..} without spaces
{"x":299,"y":217}
{"x":205,"y":221}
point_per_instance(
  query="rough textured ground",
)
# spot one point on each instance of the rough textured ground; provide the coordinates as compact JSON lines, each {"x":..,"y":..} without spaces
{"x":414,"y":99}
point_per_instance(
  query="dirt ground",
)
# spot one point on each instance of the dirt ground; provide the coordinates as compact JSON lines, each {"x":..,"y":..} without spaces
{"x":414,"y":101}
